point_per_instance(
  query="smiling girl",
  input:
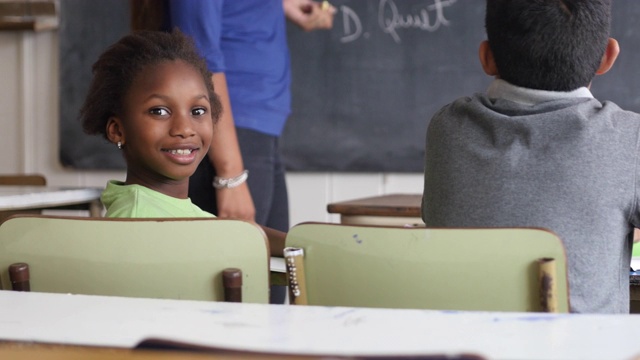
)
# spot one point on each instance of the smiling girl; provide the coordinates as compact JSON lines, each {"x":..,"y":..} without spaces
{"x":152,"y":96}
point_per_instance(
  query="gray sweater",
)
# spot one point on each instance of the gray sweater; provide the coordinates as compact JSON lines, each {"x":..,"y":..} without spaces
{"x":561,"y":161}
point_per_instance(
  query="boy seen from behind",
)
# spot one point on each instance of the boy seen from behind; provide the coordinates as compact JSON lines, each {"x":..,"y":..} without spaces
{"x":538,"y":150}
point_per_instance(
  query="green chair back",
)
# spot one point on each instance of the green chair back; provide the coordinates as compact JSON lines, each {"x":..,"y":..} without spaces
{"x":153,"y":258}
{"x":401,"y":267}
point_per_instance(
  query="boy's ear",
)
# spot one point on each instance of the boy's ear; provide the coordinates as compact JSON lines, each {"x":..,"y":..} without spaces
{"x":115,"y":131}
{"x":609,"y":57}
{"x":487,"y":60}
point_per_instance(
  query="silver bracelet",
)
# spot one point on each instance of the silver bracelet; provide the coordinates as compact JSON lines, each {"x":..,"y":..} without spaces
{"x":222,"y":183}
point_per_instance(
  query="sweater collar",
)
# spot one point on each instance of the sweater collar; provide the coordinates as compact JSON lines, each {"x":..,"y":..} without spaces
{"x":500,"y":89}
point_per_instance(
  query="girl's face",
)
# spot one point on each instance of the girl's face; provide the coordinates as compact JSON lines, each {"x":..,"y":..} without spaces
{"x":166,"y":125}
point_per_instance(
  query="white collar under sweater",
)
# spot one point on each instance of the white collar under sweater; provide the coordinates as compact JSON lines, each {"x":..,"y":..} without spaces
{"x":500,"y":89}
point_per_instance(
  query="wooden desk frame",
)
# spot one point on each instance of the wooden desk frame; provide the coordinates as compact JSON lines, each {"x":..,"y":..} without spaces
{"x":390,"y":210}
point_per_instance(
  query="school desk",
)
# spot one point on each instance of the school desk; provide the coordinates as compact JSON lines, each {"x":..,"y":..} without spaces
{"x":123,"y":323}
{"x":19,"y":351}
{"x":391,"y":209}
{"x":20,"y":199}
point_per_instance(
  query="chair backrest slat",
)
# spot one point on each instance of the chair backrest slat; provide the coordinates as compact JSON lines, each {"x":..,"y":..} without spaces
{"x":157,"y":258}
{"x":447,"y":269}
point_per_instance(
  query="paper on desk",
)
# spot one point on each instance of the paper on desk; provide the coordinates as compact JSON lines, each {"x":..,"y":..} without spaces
{"x":277,"y":264}
{"x":635,"y":263}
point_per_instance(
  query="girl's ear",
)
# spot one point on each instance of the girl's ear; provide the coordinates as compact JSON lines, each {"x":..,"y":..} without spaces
{"x":115,"y":131}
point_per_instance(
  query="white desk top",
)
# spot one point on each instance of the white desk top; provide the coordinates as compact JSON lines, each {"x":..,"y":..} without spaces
{"x":310,"y":330}
{"x":38,"y":197}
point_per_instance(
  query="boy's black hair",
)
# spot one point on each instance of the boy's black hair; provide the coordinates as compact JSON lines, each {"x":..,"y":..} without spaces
{"x":552,"y":45}
{"x":117,"y":67}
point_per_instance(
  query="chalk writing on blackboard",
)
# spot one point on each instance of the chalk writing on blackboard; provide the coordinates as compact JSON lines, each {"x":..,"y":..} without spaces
{"x":427,"y":18}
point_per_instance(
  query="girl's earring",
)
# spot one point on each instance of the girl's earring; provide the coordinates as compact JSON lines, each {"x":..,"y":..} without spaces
{"x":119,"y":145}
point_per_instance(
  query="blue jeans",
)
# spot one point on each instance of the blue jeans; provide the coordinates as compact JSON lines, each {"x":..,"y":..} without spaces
{"x":261,"y":156}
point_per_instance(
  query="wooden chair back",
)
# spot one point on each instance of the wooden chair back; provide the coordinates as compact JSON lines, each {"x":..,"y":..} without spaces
{"x":449,"y":269}
{"x":154,"y":258}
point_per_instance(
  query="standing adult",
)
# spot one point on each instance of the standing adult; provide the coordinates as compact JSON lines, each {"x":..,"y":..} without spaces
{"x":245,"y":45}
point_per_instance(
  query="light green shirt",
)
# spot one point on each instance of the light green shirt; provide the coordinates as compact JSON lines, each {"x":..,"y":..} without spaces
{"x":136,"y":201}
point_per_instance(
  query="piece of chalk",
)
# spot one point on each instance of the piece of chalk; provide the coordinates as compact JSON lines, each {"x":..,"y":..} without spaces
{"x":325,"y":5}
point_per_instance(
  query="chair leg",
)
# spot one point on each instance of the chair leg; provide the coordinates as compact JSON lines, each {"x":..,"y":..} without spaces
{"x":232,"y":284}
{"x":547,"y":285}
{"x":19,"y":276}
{"x":294,"y":259}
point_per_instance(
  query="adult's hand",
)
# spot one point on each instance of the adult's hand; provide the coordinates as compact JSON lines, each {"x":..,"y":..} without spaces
{"x":309,"y":15}
{"x":235,"y":203}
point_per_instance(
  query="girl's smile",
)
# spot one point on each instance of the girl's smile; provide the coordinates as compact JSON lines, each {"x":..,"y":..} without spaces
{"x":185,"y":155}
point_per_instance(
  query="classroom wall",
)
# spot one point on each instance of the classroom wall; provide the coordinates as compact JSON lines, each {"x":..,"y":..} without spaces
{"x":29,"y":115}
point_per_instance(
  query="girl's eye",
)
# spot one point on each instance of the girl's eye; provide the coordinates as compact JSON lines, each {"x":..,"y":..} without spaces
{"x":199,"y":111}
{"x":159,"y":112}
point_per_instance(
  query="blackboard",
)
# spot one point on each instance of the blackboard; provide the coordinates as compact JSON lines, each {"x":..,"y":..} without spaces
{"x":362,"y":93}
{"x":86,"y":29}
